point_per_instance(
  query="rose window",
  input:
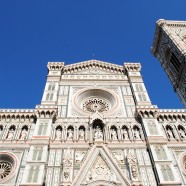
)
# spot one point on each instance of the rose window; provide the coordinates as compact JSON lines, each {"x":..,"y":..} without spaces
{"x":100,"y":100}
{"x":96,"y":104}
{"x":8,"y":164}
{"x":5,"y":169}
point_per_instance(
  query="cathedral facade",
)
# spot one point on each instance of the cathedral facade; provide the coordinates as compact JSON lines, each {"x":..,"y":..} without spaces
{"x":95,"y":126}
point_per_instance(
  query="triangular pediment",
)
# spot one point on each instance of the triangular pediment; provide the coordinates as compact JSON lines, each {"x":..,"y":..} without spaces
{"x":100,"y":168}
{"x":93,"y":67}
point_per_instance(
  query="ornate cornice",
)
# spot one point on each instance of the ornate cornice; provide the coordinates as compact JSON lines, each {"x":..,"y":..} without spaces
{"x":161,"y":114}
{"x":17,"y":114}
{"x":55,"y":66}
{"x":147,"y":111}
{"x":46,"y":111}
{"x":132,"y":67}
{"x":93,"y":64}
{"x":171,"y":114}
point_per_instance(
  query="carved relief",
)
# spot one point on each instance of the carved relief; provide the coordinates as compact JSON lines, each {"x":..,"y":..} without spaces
{"x":68,"y":165}
{"x":79,"y":155}
{"x":132,"y":161}
{"x":100,"y":171}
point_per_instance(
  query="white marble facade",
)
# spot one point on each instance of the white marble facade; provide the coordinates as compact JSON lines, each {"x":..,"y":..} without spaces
{"x":95,"y":126}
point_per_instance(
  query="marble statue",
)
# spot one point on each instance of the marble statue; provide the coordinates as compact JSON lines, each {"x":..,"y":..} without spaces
{"x":10,"y":134}
{"x":24,"y":134}
{"x":114,"y":134}
{"x":169,"y":134}
{"x":136,"y":134}
{"x":125,"y":134}
{"x":98,"y":133}
{"x":182,"y":133}
{"x":70,"y":133}
{"x":58,"y":134}
{"x":81,"y":134}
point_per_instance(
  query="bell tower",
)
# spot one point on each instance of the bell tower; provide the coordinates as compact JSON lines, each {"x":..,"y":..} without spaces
{"x":169,"y":47}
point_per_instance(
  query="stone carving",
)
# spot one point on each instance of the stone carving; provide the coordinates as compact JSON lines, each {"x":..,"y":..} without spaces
{"x":67,"y":165}
{"x":182,"y":133}
{"x":132,"y":161}
{"x":70,"y":134}
{"x":169,"y":134}
{"x":10,"y":134}
{"x":24,"y":134}
{"x":81,"y":134}
{"x":100,"y":171}
{"x":114,"y":134}
{"x":79,"y":156}
{"x":125,"y":134}
{"x":136,"y":134}
{"x":119,"y":156}
{"x":68,"y":158}
{"x":98,"y":134}
{"x":58,"y":134}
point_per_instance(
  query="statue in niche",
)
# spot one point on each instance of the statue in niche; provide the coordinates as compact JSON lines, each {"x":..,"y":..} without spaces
{"x":125,"y":134}
{"x":133,"y":165}
{"x":114,"y":134}
{"x":81,"y":134}
{"x":136,"y":134}
{"x":169,"y":133}
{"x":182,"y":133}
{"x":24,"y":134}
{"x":70,"y":133}
{"x":10,"y":134}
{"x":98,"y":134}
{"x":58,"y":134}
{"x":1,"y":130}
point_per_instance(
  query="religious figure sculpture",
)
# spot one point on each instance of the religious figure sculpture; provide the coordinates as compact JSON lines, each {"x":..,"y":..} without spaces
{"x":1,"y":130}
{"x":100,"y":171}
{"x":81,"y":134}
{"x":24,"y":134}
{"x":182,"y":133}
{"x":114,"y":134}
{"x":136,"y":134}
{"x":169,"y":134}
{"x":125,"y":134}
{"x":58,"y":134}
{"x":70,"y":133}
{"x":98,"y":133}
{"x":10,"y":134}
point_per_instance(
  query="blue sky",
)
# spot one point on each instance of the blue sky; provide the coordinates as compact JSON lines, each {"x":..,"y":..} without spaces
{"x":35,"y":32}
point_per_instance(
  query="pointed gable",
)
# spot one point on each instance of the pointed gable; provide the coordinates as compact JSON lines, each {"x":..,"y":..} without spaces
{"x":93,"y":67}
{"x":100,"y":168}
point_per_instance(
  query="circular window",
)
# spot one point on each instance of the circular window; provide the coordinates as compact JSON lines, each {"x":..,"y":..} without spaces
{"x":95,"y":105}
{"x":95,"y":100}
{"x":7,"y":166}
